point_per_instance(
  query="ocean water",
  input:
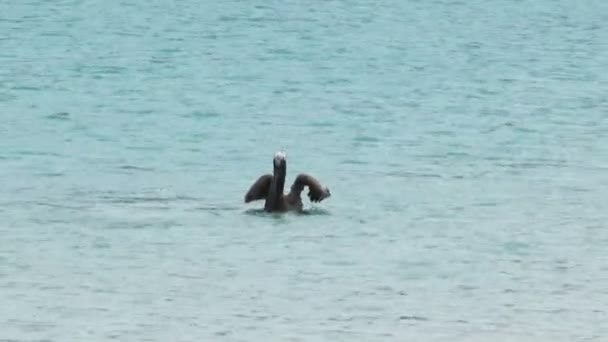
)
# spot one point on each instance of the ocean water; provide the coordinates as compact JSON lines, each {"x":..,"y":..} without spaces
{"x":465,"y":144}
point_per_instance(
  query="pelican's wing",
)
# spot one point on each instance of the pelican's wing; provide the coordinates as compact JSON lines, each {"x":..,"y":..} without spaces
{"x":259,"y":189}
{"x":316,"y":191}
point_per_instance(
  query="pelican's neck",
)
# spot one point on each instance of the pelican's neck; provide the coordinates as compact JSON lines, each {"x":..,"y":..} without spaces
{"x":273,"y":200}
{"x":278,"y":181}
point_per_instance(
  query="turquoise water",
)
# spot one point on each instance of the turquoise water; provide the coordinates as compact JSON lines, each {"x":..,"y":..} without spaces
{"x":465,"y":145}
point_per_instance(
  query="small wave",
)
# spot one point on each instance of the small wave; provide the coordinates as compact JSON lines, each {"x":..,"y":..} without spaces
{"x":258,"y":212}
{"x":366,"y":139}
{"x":139,"y":225}
{"x":217,"y":208}
{"x":353,"y":162}
{"x":51,"y":174}
{"x":7,"y":97}
{"x":409,"y":174}
{"x":135,"y":168}
{"x":150,"y":196}
{"x":25,"y":87}
{"x":38,"y":153}
{"x":55,"y":205}
{"x":145,"y":199}
{"x":145,"y":148}
{"x":312,"y":211}
{"x":412,"y":318}
{"x":198,"y":114}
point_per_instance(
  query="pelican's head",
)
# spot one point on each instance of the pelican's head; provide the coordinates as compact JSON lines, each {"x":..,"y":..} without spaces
{"x":280,"y":158}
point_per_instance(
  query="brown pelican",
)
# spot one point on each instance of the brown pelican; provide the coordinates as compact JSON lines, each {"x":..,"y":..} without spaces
{"x":270,"y":188}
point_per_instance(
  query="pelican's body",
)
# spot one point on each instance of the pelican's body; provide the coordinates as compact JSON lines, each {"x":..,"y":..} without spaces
{"x":271,"y":188}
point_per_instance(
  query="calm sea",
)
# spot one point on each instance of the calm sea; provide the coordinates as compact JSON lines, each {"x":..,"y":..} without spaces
{"x":465,"y":144}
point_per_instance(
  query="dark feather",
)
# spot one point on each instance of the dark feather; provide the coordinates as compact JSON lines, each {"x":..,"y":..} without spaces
{"x":316,"y":191}
{"x":259,"y":189}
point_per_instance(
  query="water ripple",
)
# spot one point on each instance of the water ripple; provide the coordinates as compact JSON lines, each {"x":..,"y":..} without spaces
{"x":469,"y":153}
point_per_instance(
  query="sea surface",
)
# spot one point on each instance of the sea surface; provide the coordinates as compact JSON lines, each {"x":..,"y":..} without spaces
{"x":465,"y":144}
